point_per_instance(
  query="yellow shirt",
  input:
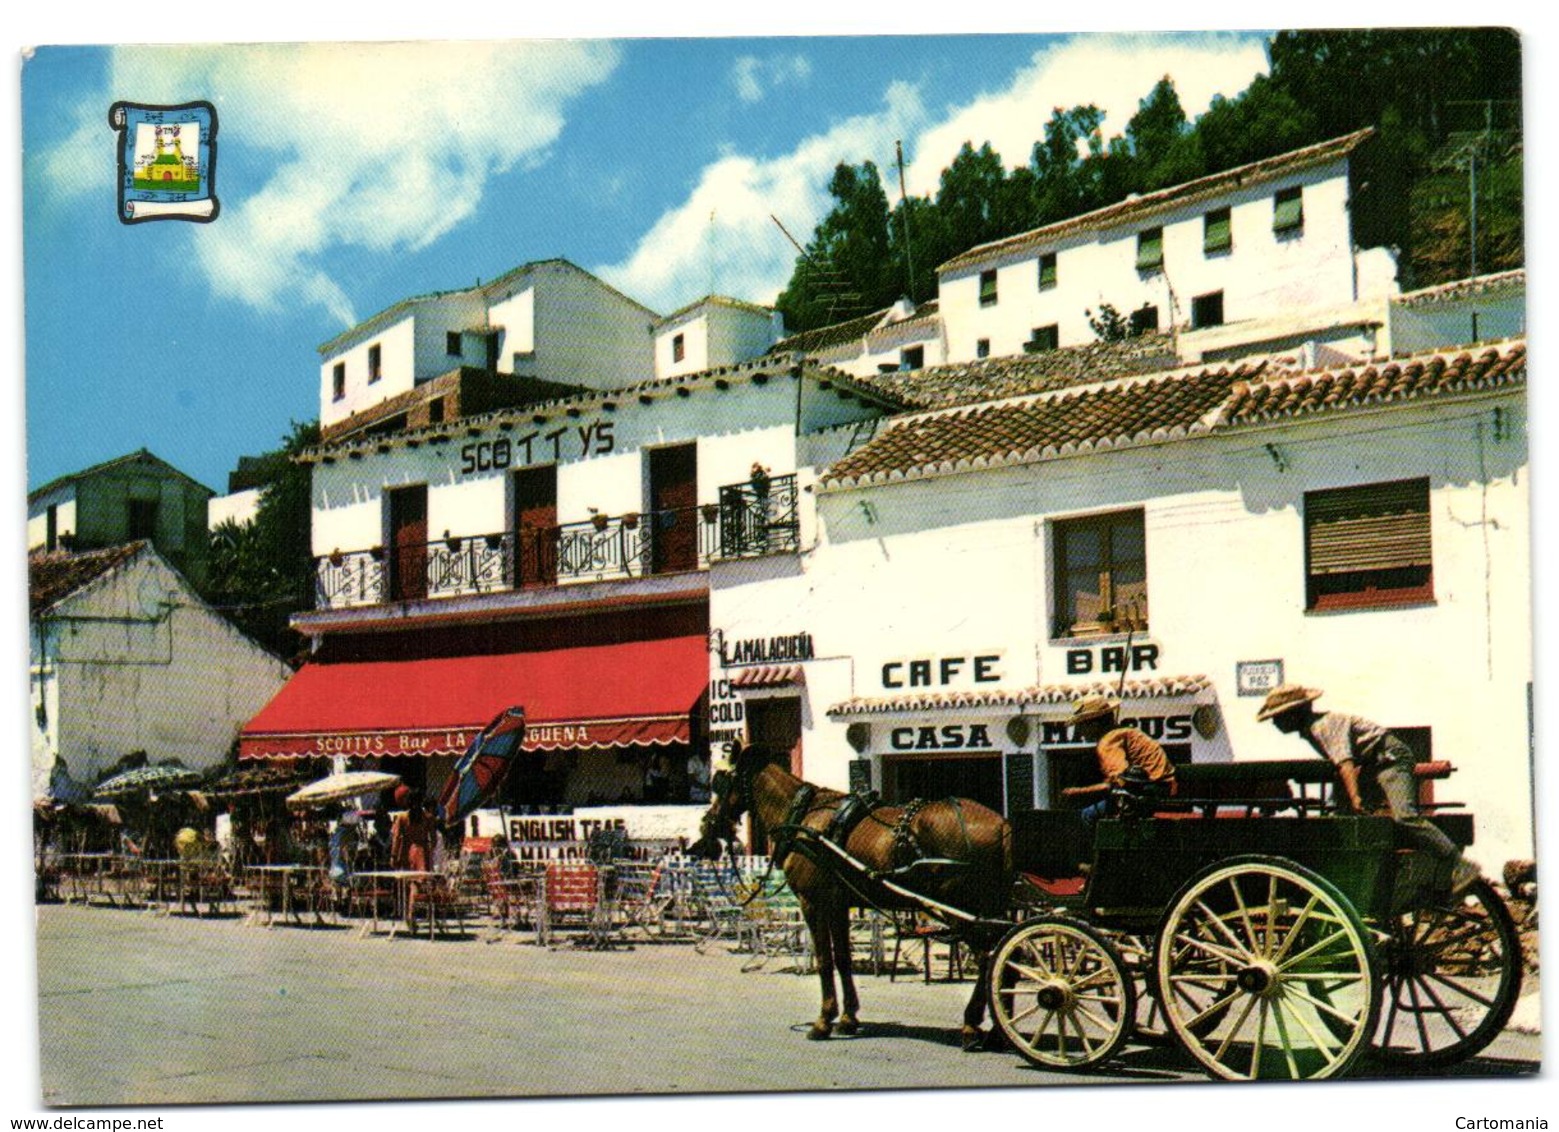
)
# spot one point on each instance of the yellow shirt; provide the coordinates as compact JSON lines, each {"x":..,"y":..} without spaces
{"x":1127,"y":747}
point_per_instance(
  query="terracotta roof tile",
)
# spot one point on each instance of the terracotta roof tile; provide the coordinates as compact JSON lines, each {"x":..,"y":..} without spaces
{"x":1280,"y":396}
{"x":54,"y":576}
{"x":1134,"y":410}
{"x":827,"y":337}
{"x":1036,"y":695}
{"x":1464,"y":288}
{"x":964,"y":383}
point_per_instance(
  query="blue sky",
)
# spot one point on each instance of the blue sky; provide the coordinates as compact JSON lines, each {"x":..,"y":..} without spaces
{"x":351,"y":176}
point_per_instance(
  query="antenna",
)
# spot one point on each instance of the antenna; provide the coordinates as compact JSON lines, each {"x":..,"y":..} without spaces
{"x":828,"y":281}
{"x":909,"y":255}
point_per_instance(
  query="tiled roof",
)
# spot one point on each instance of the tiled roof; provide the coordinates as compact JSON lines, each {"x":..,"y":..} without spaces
{"x":1463,"y":288}
{"x":1126,"y":210}
{"x":1134,"y":410}
{"x":768,"y":365}
{"x":714,"y":301}
{"x":140,"y":456}
{"x":54,"y":576}
{"x":1035,"y":695}
{"x":1154,"y":408}
{"x":827,"y":337}
{"x":1329,"y":390}
{"x":965,"y":383}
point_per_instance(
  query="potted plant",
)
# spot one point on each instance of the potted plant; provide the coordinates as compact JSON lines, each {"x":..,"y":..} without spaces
{"x":377,"y":554}
{"x":711,"y":512}
{"x":452,"y":542}
{"x":631,"y":520}
{"x":336,"y":558}
{"x":494,"y":541}
{"x":598,"y":519}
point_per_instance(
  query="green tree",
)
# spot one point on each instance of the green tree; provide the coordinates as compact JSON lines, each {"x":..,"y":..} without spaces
{"x":262,"y":572}
{"x":847,"y":269}
{"x":1163,"y":148}
{"x":971,"y":200}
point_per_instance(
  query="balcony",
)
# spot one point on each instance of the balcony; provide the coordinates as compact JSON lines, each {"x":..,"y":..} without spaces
{"x":759,"y":519}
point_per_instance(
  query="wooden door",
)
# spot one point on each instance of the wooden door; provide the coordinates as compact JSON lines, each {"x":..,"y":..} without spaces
{"x":409,"y":543}
{"x":774,"y":728}
{"x":674,"y":503}
{"x":536,"y":526}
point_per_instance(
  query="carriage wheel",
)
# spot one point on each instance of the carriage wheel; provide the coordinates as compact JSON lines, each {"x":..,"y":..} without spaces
{"x":1060,"y":993}
{"x":1452,"y":976}
{"x":1265,"y":970}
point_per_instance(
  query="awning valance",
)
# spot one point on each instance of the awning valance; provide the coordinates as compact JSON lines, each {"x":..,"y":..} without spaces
{"x":767,"y":676}
{"x":639,"y":693}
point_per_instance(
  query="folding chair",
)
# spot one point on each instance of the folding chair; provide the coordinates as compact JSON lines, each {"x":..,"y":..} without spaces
{"x":571,"y":894}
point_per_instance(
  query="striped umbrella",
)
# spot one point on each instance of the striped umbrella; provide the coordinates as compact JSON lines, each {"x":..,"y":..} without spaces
{"x":481,"y":771}
{"x":146,"y":778}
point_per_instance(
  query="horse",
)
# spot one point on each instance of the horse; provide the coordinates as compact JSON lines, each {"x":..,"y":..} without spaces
{"x":967,"y":850}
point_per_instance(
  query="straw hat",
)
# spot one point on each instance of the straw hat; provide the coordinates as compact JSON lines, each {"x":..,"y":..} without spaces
{"x":1092,"y":707}
{"x":1285,"y":698}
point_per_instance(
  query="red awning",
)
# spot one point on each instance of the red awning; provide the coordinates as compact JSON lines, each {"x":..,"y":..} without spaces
{"x":767,"y":676}
{"x":641,"y":693}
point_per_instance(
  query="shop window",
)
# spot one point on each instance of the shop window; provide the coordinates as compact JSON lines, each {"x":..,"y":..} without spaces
{"x":452,"y":343}
{"x":1047,"y":271}
{"x":1043,"y":338}
{"x":1150,"y":249}
{"x":1216,"y":233}
{"x":1207,"y":310}
{"x":1368,"y":546}
{"x":1288,"y":211}
{"x":912,"y":357}
{"x":988,"y":288}
{"x":375,"y":364}
{"x":338,"y":381}
{"x":982,"y":348}
{"x":678,"y":348}
{"x":1101,"y":575}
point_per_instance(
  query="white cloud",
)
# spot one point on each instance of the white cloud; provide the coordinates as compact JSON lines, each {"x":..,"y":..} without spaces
{"x":381,"y":146}
{"x":721,"y":237}
{"x":753,"y":77}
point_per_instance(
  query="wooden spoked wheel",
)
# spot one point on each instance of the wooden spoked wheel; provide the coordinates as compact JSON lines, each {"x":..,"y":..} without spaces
{"x":1264,"y":970}
{"x":1060,"y":993}
{"x":1452,"y":975}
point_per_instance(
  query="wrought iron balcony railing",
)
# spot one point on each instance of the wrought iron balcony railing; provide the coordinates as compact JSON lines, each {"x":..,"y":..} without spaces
{"x":628,"y":546}
{"x":758,"y":518}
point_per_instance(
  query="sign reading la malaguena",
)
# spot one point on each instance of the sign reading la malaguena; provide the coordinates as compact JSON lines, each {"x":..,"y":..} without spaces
{"x":767,"y":650}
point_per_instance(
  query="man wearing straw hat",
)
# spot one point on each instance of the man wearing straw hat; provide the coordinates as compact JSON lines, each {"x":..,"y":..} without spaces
{"x":1366,"y":754}
{"x":1127,"y":757}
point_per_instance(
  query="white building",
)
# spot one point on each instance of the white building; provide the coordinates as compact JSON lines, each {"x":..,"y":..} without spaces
{"x":544,"y":323}
{"x":1485,"y":308}
{"x":1197,"y":535}
{"x":901,"y":337}
{"x":1260,"y":255}
{"x":554,"y":556}
{"x":125,"y":657}
{"x":712,"y":332}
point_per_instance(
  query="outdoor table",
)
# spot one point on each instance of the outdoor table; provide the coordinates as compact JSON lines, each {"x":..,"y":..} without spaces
{"x":286,"y":872}
{"x":159,"y":879}
{"x":403,"y":879}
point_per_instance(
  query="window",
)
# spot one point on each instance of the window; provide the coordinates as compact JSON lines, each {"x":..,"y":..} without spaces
{"x":982,"y":348}
{"x":1144,"y":319}
{"x":1044,"y":338}
{"x":1150,"y":249}
{"x":1288,"y":210}
{"x":912,"y":357}
{"x":1101,"y":575}
{"x":51,"y":535}
{"x":988,"y":288}
{"x":338,"y":381}
{"x":1047,"y":271}
{"x":142,"y":518}
{"x":452,"y":343}
{"x":1207,"y":310}
{"x":436,"y":411}
{"x":1216,"y":234}
{"x":375,"y":371}
{"x":1368,"y":546}
{"x":678,"y":348}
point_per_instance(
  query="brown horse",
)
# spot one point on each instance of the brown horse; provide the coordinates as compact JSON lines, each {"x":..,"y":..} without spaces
{"x":967,"y":850}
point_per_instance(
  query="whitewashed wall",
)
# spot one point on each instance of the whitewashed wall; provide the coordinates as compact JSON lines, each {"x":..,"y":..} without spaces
{"x":170,"y":677}
{"x":63,"y":500}
{"x":1265,"y":274}
{"x":959,"y":566}
{"x":588,"y":334}
{"x":397,"y":363}
{"x":516,"y":314}
{"x":240,"y":507}
{"x":1419,"y":328}
{"x":694,"y":332}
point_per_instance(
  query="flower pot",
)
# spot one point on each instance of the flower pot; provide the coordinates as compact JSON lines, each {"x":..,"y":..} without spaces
{"x":710,"y":512}
{"x":599,"y":522}
{"x":631,"y":520}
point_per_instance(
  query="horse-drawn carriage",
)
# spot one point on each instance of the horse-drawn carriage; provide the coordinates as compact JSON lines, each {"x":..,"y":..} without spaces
{"x":1267,"y":934}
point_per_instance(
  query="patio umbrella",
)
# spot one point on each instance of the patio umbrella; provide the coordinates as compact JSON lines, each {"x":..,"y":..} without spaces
{"x":146,"y":778}
{"x":340,"y":787}
{"x":255,"y":780}
{"x":481,"y":771}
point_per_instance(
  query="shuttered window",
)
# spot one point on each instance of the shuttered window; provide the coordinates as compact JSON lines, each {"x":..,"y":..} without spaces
{"x":987,"y":288}
{"x":1047,"y":271}
{"x":1216,"y":234}
{"x":1150,"y":249}
{"x":1369,"y":545}
{"x":1288,"y":210}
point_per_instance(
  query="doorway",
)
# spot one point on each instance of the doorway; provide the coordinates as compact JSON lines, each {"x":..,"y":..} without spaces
{"x":409,"y":543}
{"x":536,"y":526}
{"x":674,"y":503}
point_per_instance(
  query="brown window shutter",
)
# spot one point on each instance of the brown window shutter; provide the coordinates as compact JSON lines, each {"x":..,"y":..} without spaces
{"x":1378,"y":527}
